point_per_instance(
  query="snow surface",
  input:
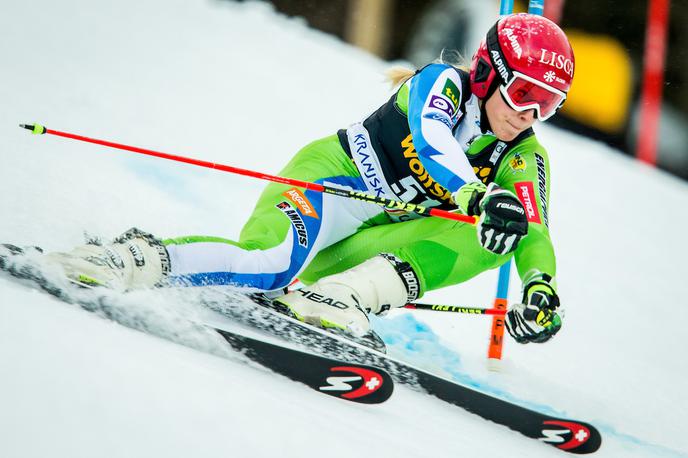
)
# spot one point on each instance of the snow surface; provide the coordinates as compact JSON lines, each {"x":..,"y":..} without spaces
{"x":239,"y":84}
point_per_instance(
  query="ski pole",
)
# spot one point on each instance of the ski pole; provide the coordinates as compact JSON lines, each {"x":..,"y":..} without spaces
{"x":455,"y":309}
{"x":358,"y":195}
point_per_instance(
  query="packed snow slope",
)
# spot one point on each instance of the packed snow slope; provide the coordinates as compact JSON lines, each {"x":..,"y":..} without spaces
{"x":239,"y":84}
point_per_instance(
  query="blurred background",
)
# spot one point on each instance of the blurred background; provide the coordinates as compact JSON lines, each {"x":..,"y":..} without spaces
{"x":608,"y":37}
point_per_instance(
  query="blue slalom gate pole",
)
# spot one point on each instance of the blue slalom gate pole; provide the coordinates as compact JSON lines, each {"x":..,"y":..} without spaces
{"x":536,"y":7}
{"x":506,"y":7}
{"x":494,"y":351}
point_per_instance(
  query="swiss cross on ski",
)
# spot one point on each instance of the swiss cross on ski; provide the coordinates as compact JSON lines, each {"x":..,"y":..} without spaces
{"x":369,"y":380}
{"x":565,"y":435}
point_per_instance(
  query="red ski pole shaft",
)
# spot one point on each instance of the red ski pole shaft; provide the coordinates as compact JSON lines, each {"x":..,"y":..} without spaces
{"x":387,"y":203}
{"x":455,"y":309}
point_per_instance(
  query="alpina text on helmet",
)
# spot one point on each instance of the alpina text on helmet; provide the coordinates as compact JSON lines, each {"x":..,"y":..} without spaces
{"x":501,"y":68}
{"x":514,"y":42}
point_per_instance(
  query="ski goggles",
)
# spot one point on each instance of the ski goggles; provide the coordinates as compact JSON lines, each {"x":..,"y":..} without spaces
{"x":525,"y":93}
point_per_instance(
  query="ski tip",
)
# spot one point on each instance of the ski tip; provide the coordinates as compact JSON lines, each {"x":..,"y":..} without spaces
{"x":36,"y":129}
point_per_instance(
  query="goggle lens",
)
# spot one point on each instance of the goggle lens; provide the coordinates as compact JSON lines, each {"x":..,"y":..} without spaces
{"x":524,"y":94}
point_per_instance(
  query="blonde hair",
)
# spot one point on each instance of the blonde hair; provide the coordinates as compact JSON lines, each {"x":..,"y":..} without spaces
{"x":399,"y":74}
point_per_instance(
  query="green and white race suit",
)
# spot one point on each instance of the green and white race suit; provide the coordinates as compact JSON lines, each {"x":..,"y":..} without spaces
{"x":419,"y":147}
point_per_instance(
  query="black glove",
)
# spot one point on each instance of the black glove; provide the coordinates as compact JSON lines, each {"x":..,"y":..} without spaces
{"x":536,"y":318}
{"x":502,"y":221}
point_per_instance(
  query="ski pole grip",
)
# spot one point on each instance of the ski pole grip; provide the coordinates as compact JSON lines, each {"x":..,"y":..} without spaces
{"x":35,"y":129}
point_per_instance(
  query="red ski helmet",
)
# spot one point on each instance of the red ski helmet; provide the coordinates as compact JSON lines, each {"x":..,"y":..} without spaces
{"x":529,"y":58}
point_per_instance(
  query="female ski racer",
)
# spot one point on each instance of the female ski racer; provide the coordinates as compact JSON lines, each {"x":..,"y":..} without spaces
{"x":447,"y":138}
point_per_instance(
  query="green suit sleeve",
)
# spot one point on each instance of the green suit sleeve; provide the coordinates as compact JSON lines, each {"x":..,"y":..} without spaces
{"x":525,"y":172}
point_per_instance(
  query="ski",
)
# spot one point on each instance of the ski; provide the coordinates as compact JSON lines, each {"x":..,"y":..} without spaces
{"x":567,"y":435}
{"x":348,"y":381}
